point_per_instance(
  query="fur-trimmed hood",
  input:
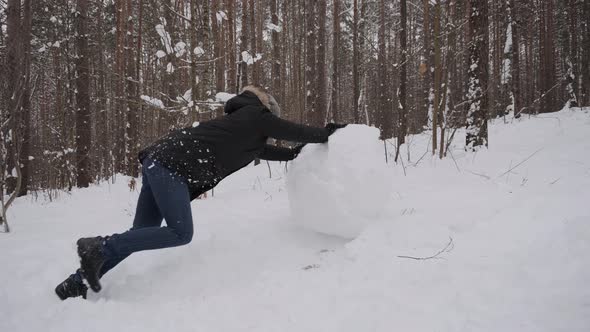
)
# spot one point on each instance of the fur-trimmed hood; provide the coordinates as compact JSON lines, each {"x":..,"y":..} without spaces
{"x":260,"y":93}
{"x":252,"y":95}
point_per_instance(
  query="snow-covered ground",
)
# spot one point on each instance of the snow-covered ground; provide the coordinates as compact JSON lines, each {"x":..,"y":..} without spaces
{"x":512,"y":250}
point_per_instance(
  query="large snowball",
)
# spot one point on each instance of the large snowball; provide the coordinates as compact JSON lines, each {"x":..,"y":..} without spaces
{"x":340,"y":187}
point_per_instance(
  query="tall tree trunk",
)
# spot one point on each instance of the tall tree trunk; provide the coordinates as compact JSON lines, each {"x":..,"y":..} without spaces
{"x":244,"y":43}
{"x":437,"y":75}
{"x":310,"y":63}
{"x":83,"y":121}
{"x":363,"y":100}
{"x":25,"y":152}
{"x":194,"y":54}
{"x":506,"y":97}
{"x":516,"y":99}
{"x":205,"y":84}
{"x":585,"y":56}
{"x":256,"y":77}
{"x":530,"y":62}
{"x":496,"y":89}
{"x":543,"y":78}
{"x":550,"y":35}
{"x":322,"y":76}
{"x":299,"y":84}
{"x":336,"y":111}
{"x":277,"y":61}
{"x":119,"y":86}
{"x":14,"y":95}
{"x":253,"y":43}
{"x":260,"y":49}
{"x":356,"y":56}
{"x":426,"y":63}
{"x":102,"y":125}
{"x":132,"y":80}
{"x":217,"y":26}
{"x":384,"y":121}
{"x":232,"y":83}
{"x":572,"y":54}
{"x":451,"y":75}
{"x":477,"y":125}
{"x":402,"y":94}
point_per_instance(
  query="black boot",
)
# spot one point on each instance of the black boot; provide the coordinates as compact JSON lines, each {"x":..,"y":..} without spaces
{"x":73,"y":286}
{"x":92,"y":259}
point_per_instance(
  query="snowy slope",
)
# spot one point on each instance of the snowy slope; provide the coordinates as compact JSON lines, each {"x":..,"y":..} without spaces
{"x":518,"y":261}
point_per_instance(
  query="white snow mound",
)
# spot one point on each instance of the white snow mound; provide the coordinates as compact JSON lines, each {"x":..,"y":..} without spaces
{"x":341,"y":187}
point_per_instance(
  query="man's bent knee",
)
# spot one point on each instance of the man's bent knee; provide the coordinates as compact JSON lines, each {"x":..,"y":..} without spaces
{"x":185,"y":237}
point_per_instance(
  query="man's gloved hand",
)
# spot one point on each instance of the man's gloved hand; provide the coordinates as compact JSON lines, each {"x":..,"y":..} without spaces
{"x":297,"y":149}
{"x":332,"y":127}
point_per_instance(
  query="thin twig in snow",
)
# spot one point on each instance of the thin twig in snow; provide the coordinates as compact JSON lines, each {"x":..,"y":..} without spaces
{"x":520,"y":163}
{"x":450,"y":140}
{"x":425,"y":153}
{"x":455,"y":161}
{"x":269,"y":171}
{"x":395,"y":147}
{"x":403,"y":166}
{"x":508,"y":175}
{"x":418,"y":161}
{"x":448,"y":248}
{"x":478,"y":174}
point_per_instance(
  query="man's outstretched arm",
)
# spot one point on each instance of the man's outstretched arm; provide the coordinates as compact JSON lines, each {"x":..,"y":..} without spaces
{"x":280,"y":129}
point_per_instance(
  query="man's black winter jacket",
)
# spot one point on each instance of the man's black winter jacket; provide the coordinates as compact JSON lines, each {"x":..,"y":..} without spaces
{"x":205,"y":154}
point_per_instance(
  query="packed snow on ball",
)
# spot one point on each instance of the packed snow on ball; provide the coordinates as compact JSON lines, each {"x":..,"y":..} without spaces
{"x":341,"y":187}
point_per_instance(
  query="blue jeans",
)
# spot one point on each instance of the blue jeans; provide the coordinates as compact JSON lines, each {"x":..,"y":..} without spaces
{"x":163,"y":196}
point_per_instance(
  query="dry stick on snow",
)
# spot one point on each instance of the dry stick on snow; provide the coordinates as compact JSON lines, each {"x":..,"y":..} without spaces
{"x":450,"y":140}
{"x":447,"y":248}
{"x":269,"y":171}
{"x":395,"y":147}
{"x":418,"y":161}
{"x":508,"y":175}
{"x":520,"y":163}
{"x":403,"y":166}
{"x":425,"y":153}
{"x":454,"y":160}
{"x":478,"y":174}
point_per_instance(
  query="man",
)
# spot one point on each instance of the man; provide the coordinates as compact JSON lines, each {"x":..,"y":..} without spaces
{"x":181,"y":166}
